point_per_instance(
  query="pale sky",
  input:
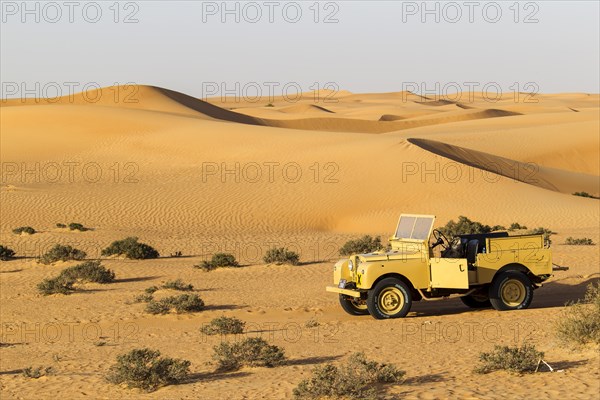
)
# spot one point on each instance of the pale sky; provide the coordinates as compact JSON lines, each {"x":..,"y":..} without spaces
{"x":373,"y":47}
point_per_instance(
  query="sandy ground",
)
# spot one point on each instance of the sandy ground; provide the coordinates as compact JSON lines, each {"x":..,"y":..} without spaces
{"x":203,"y":177}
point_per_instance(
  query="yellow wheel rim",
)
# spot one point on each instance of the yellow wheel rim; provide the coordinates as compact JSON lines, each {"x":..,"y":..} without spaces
{"x":359,"y":305}
{"x":391,"y":300}
{"x":513,"y":292}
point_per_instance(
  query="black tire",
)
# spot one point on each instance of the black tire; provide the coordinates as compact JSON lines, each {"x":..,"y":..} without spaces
{"x":389,"y":298}
{"x":352,"y":307}
{"x":476,"y":301}
{"x":511,"y":290}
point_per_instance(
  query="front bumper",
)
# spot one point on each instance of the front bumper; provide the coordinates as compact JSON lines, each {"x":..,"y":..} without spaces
{"x":347,"y":292}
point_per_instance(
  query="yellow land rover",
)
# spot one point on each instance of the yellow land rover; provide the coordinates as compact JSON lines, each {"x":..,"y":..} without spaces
{"x":485,"y":270}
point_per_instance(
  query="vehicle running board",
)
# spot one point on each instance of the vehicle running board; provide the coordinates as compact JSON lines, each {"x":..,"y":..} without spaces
{"x":452,"y":296}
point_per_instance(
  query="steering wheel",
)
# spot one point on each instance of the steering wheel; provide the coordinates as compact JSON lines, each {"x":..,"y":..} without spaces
{"x":440,"y":238}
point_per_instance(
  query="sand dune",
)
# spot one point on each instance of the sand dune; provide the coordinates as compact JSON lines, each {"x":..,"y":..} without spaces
{"x":189,"y":175}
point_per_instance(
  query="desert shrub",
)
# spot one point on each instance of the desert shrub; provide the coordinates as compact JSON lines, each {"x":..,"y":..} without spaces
{"x":579,"y":323}
{"x":217,"y":261}
{"x":281,"y":255}
{"x":512,"y":359}
{"x":515,"y":226}
{"x":58,"y":285}
{"x":542,"y":231}
{"x":35,"y":373}
{"x":89,"y":271}
{"x":24,"y":229}
{"x":130,"y":248}
{"x":74,"y":226}
{"x":270,"y":105}
{"x":312,"y":323}
{"x":183,"y":303}
{"x":579,"y":241}
{"x":365,"y":244}
{"x":584,"y":194}
{"x":252,"y":352}
{"x":6,"y":253}
{"x":151,"y":289}
{"x":224,"y":326}
{"x":498,"y":228}
{"x":143,"y":298}
{"x":178,"y":285}
{"x":463,"y":226}
{"x":62,"y":253}
{"x":61,"y":226}
{"x":147,"y":370}
{"x":358,"y":378}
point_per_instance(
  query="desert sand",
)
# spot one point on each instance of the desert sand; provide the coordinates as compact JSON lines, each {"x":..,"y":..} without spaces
{"x":211,"y":176}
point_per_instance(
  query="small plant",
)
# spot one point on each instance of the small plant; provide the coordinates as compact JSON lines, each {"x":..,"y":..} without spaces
{"x":542,"y":231}
{"x":184,"y":303}
{"x":178,"y":285}
{"x":270,"y":105}
{"x":24,"y":229}
{"x":579,"y":242}
{"x":89,"y":271}
{"x":151,"y":289}
{"x":512,"y":359}
{"x":62,"y":253}
{"x":515,"y":226}
{"x":58,"y":285}
{"x":35,"y":373}
{"x":579,"y":323}
{"x":61,"y":226}
{"x":218,"y":260}
{"x":312,"y":323}
{"x":74,"y":226}
{"x":365,"y":244}
{"x":145,"y":369}
{"x":356,"y":379}
{"x":252,"y":352}
{"x":130,"y":248}
{"x":281,"y":255}
{"x":224,"y":326}
{"x":6,"y":253}
{"x":585,"y":194}
{"x":143,"y":298}
{"x":464,"y":226}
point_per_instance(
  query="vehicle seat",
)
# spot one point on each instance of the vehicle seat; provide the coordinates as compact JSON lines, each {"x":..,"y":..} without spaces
{"x":472,"y":247}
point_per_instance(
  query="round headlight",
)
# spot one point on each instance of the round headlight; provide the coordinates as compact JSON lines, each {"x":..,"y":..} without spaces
{"x":350,"y":265}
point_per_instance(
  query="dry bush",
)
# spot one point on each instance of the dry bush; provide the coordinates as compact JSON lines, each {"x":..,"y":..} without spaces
{"x":178,"y":284}
{"x":131,"y":248}
{"x":517,"y":359}
{"x":252,"y":352}
{"x":218,"y":260}
{"x":579,"y":241}
{"x":62,"y":253}
{"x":579,"y":323}
{"x":365,"y":244}
{"x":184,"y":303}
{"x":281,"y":255}
{"x":6,"y":253}
{"x":24,"y":229}
{"x":224,"y":326}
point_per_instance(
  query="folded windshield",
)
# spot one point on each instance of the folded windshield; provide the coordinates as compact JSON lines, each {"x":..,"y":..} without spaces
{"x":414,"y":227}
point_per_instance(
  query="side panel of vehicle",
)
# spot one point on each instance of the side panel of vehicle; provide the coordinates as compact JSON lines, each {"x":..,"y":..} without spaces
{"x":416,"y":270}
{"x":449,"y":273}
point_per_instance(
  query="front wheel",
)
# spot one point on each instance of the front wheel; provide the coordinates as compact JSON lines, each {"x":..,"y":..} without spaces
{"x":389,"y":298}
{"x":353,"y":306}
{"x":511,"y":290}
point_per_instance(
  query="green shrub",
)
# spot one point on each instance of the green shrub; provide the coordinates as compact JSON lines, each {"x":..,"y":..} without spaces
{"x":365,"y":244}
{"x":145,"y":369}
{"x":61,"y":226}
{"x":178,"y":285}
{"x":151,"y":289}
{"x":130,"y":248}
{"x":515,"y":226}
{"x":579,"y":323}
{"x":358,"y":378}
{"x":542,"y":231}
{"x":62,"y":253}
{"x":512,"y":359}
{"x":217,"y":261}
{"x":281,"y":255}
{"x":89,"y":271}
{"x":58,"y":285}
{"x":579,"y":242}
{"x":74,"y":226}
{"x":585,"y":194}
{"x":252,"y":352}
{"x":270,"y":105}
{"x":143,"y":298}
{"x":6,"y":253}
{"x":24,"y":229}
{"x":184,"y":303}
{"x":35,"y":373}
{"x":463,"y":226}
{"x":224,"y":326}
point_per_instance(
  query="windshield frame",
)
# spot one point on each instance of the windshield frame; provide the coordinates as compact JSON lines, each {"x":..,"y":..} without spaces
{"x":416,"y":216}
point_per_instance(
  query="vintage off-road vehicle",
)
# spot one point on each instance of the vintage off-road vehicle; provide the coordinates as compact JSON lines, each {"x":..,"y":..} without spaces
{"x":485,"y":270}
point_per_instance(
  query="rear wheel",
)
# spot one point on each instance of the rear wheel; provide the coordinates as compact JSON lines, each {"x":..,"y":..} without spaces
{"x":353,"y":305}
{"x":389,"y":298}
{"x":511,"y":290}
